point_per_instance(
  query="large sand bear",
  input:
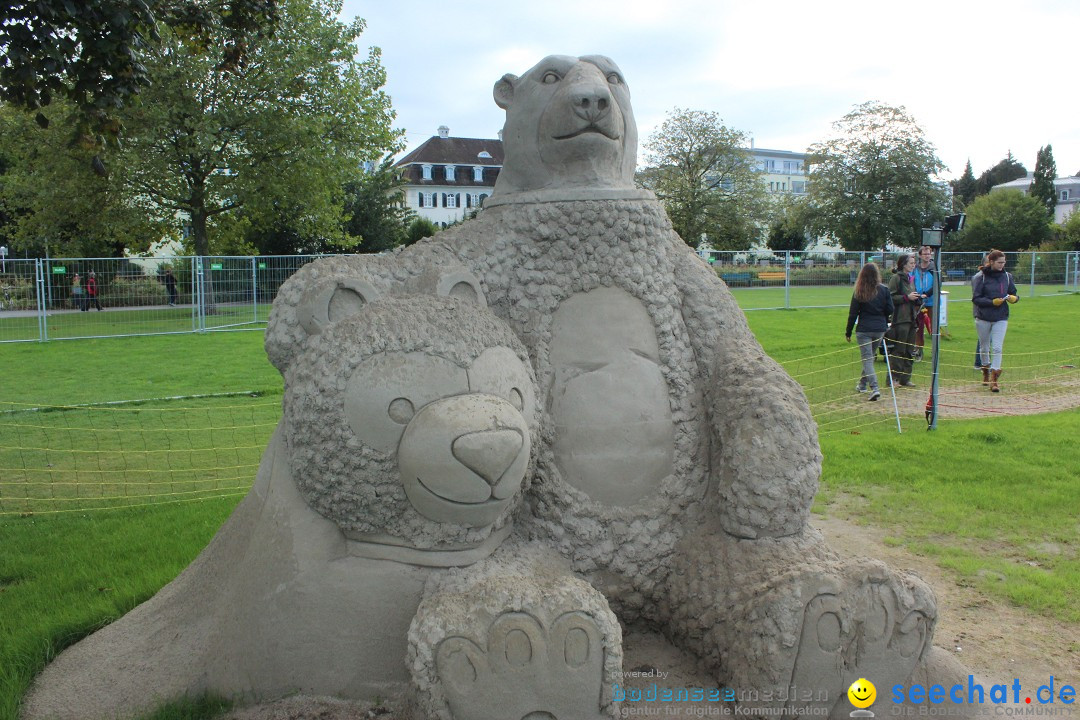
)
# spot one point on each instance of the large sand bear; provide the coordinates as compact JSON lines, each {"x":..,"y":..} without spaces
{"x":681,"y":460}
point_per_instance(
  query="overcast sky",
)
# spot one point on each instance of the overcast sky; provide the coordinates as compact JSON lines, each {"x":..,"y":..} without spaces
{"x":981,"y":78}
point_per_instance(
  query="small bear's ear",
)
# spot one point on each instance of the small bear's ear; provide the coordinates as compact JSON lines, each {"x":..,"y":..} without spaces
{"x":331,"y":300}
{"x":461,"y":285}
{"x":504,"y":91}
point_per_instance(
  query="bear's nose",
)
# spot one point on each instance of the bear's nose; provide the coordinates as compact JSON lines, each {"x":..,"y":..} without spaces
{"x":590,"y":102}
{"x":488,"y":453}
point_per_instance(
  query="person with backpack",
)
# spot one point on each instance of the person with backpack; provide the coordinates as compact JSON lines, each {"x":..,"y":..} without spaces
{"x":91,"y":292}
{"x":871,"y":305}
{"x":992,"y":291}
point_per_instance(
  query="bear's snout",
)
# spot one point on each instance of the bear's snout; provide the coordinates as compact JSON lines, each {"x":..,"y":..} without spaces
{"x":463,"y":458}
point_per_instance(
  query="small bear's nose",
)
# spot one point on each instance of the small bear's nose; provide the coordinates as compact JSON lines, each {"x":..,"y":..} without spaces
{"x":488,"y":453}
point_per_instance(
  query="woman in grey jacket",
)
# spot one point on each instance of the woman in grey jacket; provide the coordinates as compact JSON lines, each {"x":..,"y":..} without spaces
{"x":992,"y":291}
{"x":871,"y":305}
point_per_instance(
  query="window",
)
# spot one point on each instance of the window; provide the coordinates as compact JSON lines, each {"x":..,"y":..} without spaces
{"x":798,"y":187}
{"x":768,"y":165}
{"x":449,"y":173}
{"x":426,"y":171}
{"x":1064,"y":195}
{"x":478,"y":173}
{"x":793,"y":167}
{"x":451,"y":200}
{"x":427,"y":200}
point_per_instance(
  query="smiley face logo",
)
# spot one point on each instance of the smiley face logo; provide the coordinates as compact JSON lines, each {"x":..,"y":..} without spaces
{"x":862,"y":693}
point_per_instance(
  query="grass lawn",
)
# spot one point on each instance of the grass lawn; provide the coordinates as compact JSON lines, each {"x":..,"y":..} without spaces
{"x":993,"y":499}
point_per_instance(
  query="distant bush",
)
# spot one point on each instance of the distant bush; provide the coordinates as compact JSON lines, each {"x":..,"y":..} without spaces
{"x":17,"y":293}
{"x":134,"y":290}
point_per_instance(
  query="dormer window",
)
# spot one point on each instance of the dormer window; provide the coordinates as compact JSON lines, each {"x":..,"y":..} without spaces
{"x":1064,"y":195}
{"x":449,"y":173}
{"x":484,"y":155}
{"x":426,"y":169}
{"x":478,"y":173}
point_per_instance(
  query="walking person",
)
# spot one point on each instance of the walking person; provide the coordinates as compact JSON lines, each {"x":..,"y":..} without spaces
{"x":92,"y":292}
{"x":900,"y":338}
{"x":170,"y":285}
{"x":925,"y":279}
{"x":77,"y":298}
{"x":871,"y":306}
{"x":992,"y":291}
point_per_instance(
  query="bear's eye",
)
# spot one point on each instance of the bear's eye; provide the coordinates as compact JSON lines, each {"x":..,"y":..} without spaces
{"x":614,"y":79}
{"x":515,"y":399}
{"x":401,"y":411}
{"x":551,"y":77}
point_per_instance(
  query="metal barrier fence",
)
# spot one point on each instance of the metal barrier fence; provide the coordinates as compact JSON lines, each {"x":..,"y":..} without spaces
{"x":64,"y":298}
{"x":49,"y":299}
{"x":825,"y":278}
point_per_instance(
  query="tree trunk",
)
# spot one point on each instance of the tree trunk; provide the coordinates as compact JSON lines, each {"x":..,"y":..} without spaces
{"x":202,"y":249}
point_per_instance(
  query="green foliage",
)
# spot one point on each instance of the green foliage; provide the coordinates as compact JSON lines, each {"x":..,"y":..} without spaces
{"x":1007,"y":220}
{"x":378,"y":215}
{"x":276,"y":136}
{"x":697,"y":166}
{"x":1042,"y":184}
{"x":1068,"y":235}
{"x":1005,"y":171}
{"x":53,"y":197}
{"x":92,"y":52}
{"x":419,"y":229}
{"x":787,"y":231}
{"x":872,"y":184}
{"x":964,"y":188}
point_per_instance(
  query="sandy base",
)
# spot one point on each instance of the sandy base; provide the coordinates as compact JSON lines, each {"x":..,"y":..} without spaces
{"x":996,"y":641}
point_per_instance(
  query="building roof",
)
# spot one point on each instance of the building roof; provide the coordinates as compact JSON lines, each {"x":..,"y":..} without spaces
{"x":1024,"y":183}
{"x":455,"y":151}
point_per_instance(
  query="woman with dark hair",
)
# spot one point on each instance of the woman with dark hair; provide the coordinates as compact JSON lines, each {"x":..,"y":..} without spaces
{"x":992,"y":291}
{"x":871,"y":305}
{"x":900,"y":339}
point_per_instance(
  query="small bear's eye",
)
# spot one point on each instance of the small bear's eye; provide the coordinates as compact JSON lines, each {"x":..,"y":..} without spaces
{"x":401,"y":411}
{"x":516,"y":400}
{"x":614,"y":79}
{"x":551,"y":77}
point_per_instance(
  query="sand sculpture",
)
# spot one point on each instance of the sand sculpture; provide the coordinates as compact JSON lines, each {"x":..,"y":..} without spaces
{"x":498,"y":441}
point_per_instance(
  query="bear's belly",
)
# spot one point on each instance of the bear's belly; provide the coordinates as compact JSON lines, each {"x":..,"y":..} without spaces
{"x":614,"y":436}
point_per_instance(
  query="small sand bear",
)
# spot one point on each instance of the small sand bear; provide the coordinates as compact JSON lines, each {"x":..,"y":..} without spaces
{"x":679,"y":461}
{"x":410,"y":421}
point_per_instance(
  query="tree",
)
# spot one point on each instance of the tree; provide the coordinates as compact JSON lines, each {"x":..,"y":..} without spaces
{"x":52,"y":200}
{"x":1042,"y":185}
{"x":278,"y":137}
{"x":378,"y":216}
{"x":92,"y":52}
{"x":787,"y":231}
{"x":964,"y":188}
{"x":419,"y":229}
{"x":697,"y":166}
{"x":872,"y":184}
{"x":1007,"y":220}
{"x":1005,"y":171}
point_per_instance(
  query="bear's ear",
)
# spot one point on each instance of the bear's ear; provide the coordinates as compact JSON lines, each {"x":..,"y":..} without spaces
{"x":461,"y":285}
{"x":504,"y":91}
{"x":331,"y":300}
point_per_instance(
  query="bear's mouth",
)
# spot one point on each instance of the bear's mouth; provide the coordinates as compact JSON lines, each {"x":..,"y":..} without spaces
{"x":489,"y":500}
{"x":606,"y":132}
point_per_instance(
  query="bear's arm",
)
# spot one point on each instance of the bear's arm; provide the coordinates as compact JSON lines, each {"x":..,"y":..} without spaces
{"x":764,"y":459}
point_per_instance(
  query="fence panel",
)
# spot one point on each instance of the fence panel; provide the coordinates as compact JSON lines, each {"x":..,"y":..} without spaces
{"x":110,"y":297}
{"x":20,"y":311}
{"x":41,"y":300}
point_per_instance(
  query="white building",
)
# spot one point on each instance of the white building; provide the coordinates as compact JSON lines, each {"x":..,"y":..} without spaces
{"x":447,"y":177}
{"x":1067,"y":188}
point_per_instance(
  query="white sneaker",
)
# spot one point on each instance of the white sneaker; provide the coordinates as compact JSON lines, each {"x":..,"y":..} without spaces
{"x":861,"y":388}
{"x":874,"y":396}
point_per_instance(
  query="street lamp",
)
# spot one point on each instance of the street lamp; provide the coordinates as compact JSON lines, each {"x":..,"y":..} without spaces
{"x":935,"y":237}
